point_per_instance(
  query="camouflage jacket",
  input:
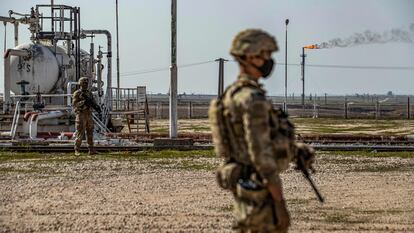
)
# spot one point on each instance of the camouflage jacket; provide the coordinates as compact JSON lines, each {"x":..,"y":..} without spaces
{"x":256,"y":131}
{"x":80,"y":101}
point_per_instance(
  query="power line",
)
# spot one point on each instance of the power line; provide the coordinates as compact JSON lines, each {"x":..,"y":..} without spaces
{"x":364,"y":67}
{"x":146,"y":71}
{"x":132,"y":73}
{"x":350,"y":66}
{"x":354,"y":67}
{"x":139,"y":72}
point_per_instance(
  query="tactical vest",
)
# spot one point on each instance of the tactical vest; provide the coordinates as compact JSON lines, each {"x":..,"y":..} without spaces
{"x":227,"y":145}
{"x":81,"y":104}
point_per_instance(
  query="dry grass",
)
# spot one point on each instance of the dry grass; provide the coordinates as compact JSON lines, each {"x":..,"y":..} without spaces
{"x":309,"y":126}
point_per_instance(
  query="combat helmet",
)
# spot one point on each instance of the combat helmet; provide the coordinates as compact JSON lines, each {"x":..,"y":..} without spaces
{"x":83,"y":80}
{"x":253,"y":42}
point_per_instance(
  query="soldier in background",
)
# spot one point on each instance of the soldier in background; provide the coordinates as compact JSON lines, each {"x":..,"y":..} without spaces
{"x":256,"y":142}
{"x":83,"y":104}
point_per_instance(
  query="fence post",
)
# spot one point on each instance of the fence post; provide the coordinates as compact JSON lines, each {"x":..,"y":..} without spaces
{"x":189,"y":110}
{"x":346,"y":108}
{"x":377,"y":110}
{"x":315,"y":109}
{"x":408,"y":108}
{"x":158,"y":111}
{"x":129,"y":98}
{"x":136,"y":108}
{"x":325,"y":99}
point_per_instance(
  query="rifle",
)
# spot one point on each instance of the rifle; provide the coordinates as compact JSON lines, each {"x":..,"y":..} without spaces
{"x":91,"y":103}
{"x":305,"y":172}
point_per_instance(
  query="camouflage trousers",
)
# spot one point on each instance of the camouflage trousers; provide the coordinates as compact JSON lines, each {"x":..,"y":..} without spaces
{"x":256,"y":216}
{"x":84,"y":122}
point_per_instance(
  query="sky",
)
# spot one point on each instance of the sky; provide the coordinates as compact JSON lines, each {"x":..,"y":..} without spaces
{"x":206,"y":29}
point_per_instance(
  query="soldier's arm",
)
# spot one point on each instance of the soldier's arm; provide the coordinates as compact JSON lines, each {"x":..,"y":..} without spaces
{"x":257,"y":135}
{"x":93,"y":103}
{"x":75,"y":98}
{"x":92,"y":99}
{"x":257,"y":132}
{"x":294,"y":149}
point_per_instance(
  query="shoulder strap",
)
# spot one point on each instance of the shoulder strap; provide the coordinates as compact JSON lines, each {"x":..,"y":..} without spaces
{"x":238,"y":86}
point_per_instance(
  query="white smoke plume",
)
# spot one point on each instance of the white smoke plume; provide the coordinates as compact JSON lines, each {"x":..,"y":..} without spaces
{"x":368,"y":37}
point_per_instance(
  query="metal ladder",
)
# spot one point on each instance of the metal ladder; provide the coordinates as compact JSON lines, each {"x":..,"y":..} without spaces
{"x":140,"y":116}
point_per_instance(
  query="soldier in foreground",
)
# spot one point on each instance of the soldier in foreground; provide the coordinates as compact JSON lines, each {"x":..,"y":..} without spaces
{"x":256,"y":142}
{"x":83,"y":104}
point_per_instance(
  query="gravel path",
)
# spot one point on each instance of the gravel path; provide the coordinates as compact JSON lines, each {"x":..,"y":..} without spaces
{"x":126,"y":194}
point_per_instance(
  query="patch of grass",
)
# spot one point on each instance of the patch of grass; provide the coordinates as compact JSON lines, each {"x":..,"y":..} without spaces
{"x":354,"y":126}
{"x":27,"y":170}
{"x":298,"y":201}
{"x":385,"y":211}
{"x":62,"y":157}
{"x":384,"y":168}
{"x":181,"y":163}
{"x":7,"y":155}
{"x":150,"y":154}
{"x":337,"y":217}
{"x":18,"y":170}
{"x":397,"y":154}
{"x":159,"y":130}
{"x":41,"y":158}
{"x":191,"y":165}
{"x":198,"y":128}
{"x":228,"y":208}
{"x":310,"y":125}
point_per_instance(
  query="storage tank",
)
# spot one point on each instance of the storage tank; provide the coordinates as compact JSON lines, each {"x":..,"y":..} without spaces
{"x":47,"y":70}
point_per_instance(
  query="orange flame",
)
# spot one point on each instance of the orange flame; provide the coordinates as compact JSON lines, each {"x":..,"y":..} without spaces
{"x":313,"y":46}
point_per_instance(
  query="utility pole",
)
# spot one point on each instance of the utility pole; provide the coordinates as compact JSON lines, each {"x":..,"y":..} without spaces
{"x":5,"y":37}
{"x":221,"y":76}
{"x":303,"y":77}
{"x":173,"y":71}
{"x":286,"y":54}
{"x":117,"y":55}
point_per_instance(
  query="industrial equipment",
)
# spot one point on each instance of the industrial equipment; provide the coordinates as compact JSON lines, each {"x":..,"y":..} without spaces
{"x":40,"y":76}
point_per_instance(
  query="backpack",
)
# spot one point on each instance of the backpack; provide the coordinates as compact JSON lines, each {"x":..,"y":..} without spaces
{"x":219,"y":131}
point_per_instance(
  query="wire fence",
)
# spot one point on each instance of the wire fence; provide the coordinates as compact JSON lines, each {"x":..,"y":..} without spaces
{"x":349,"y":107}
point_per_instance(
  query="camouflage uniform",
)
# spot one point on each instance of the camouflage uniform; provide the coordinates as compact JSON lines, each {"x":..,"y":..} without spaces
{"x":84,"y":120}
{"x":258,"y":145}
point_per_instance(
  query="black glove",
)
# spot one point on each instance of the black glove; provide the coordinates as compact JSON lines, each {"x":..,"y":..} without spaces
{"x":305,"y":157}
{"x":98,"y":109}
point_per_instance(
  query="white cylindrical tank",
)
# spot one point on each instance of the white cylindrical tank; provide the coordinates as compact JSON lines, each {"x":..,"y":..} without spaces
{"x":46,"y":70}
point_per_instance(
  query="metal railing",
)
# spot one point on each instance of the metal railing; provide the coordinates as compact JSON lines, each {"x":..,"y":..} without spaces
{"x":15,"y":122}
{"x":128,"y":99}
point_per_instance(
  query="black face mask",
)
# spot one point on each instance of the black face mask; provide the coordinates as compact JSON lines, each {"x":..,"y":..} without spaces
{"x":266,"y":68}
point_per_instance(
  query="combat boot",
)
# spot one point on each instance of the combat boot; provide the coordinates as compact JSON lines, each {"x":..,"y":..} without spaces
{"x":92,"y":151}
{"x":77,"y":152}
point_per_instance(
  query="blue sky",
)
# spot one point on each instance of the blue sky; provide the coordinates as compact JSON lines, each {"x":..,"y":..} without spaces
{"x":206,"y":28}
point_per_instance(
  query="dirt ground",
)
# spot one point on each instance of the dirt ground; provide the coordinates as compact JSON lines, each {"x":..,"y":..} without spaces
{"x":178,"y":193}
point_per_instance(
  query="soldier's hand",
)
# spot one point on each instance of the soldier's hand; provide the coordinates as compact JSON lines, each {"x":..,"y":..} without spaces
{"x":305,"y":156}
{"x":97,"y":108}
{"x":282,"y":216}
